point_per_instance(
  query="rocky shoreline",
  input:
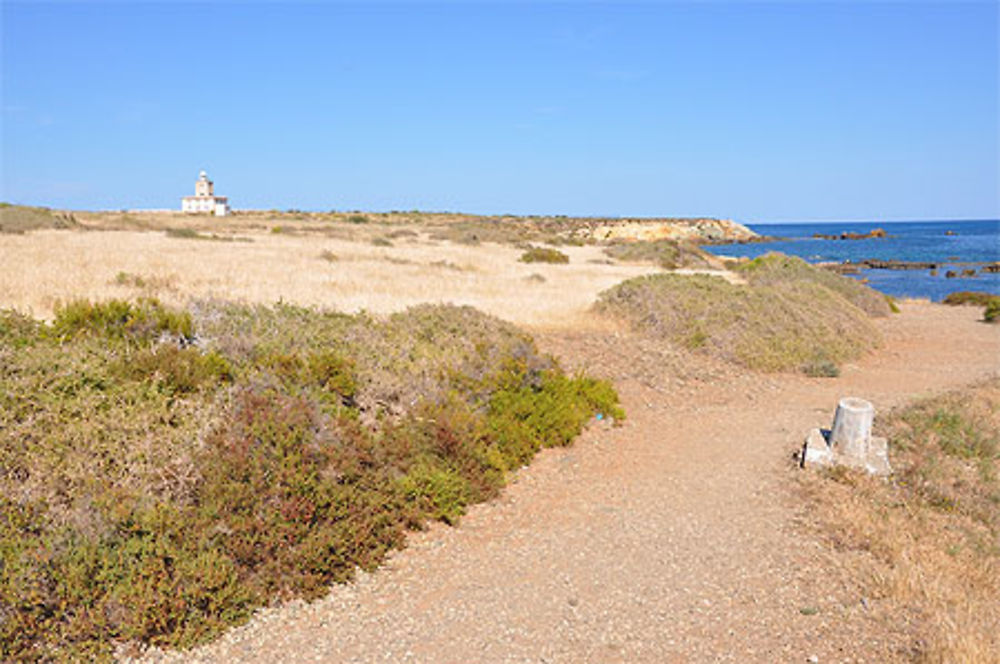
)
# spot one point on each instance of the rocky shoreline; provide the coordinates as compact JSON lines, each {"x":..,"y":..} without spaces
{"x":969,"y":268}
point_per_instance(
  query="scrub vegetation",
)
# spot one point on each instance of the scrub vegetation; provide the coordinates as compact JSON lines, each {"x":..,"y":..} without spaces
{"x":668,"y":254}
{"x":164,"y":472}
{"x":22,"y":218}
{"x":990,"y":302}
{"x":544,"y":255}
{"x":932,"y":532}
{"x":789,"y":316}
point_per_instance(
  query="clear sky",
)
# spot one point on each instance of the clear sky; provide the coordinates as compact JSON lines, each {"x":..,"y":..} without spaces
{"x":759,"y":112}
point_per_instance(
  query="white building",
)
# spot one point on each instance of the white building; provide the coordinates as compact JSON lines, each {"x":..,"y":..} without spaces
{"x":204,"y":199}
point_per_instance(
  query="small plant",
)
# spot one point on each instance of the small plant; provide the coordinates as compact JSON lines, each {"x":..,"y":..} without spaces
{"x":821,"y":369}
{"x":357,"y":219}
{"x":992,"y":312}
{"x":184,"y":233}
{"x":329,"y":256}
{"x":381,"y":242}
{"x":544,"y":255}
{"x":131,"y":280}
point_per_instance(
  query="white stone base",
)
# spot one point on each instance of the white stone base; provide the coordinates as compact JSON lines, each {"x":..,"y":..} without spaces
{"x":817,"y":452}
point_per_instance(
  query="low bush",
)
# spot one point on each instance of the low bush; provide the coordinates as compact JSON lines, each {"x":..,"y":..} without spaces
{"x":142,"y":320}
{"x":975,"y":298}
{"x":192,"y":234}
{"x":668,"y":254}
{"x":543,"y":255}
{"x":183,"y":233}
{"x":795,"y":323}
{"x":164,"y":473}
{"x":991,"y":314}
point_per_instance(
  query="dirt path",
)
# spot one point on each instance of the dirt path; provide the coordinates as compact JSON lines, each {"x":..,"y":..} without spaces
{"x":673,"y":538}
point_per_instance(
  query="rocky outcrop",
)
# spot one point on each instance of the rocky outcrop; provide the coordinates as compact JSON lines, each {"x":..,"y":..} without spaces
{"x":873,"y":264}
{"x":848,"y":235}
{"x":692,"y":230}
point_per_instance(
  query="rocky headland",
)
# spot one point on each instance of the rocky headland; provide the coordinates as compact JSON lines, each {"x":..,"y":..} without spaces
{"x":701,"y":230}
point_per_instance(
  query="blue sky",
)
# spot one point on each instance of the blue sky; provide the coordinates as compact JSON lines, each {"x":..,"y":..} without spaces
{"x":760,"y":112}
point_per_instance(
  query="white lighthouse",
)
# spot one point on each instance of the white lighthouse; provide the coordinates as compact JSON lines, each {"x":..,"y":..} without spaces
{"x":204,"y":199}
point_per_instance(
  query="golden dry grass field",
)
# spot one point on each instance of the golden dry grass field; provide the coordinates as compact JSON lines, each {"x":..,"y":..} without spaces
{"x":385,"y":264}
{"x":45,"y":267}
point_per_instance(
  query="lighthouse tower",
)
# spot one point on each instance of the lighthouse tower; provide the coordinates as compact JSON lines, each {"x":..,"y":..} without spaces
{"x":204,"y":199}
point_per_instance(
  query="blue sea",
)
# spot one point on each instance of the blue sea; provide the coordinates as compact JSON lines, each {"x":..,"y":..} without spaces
{"x":948,"y":243}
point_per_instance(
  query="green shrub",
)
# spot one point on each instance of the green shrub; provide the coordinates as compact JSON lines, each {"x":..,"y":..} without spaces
{"x":176,"y":370}
{"x":159,"y":492}
{"x":18,"y":330}
{"x":143,"y":320}
{"x":543,"y":255}
{"x":358,"y":219}
{"x":992,"y":312}
{"x":821,"y":369}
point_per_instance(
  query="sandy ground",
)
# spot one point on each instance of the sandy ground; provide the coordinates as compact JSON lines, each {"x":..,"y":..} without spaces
{"x":672,"y":538}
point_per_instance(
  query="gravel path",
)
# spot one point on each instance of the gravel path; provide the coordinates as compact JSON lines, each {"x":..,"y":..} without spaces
{"x":672,"y":538}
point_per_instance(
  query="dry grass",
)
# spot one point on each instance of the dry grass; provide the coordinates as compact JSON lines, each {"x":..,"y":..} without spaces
{"x":790,"y":320}
{"x":930,"y":537}
{"x":21,"y":218}
{"x":45,"y":267}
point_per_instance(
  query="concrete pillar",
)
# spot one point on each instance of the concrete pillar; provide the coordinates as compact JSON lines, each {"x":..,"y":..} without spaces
{"x":852,"y":428}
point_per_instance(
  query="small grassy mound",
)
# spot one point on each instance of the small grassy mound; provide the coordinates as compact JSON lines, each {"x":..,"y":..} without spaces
{"x":163,"y":473}
{"x":668,"y":254}
{"x":544,"y":255}
{"x":22,"y":218}
{"x":772,"y":324}
{"x":776,"y":268}
{"x":933,"y":530}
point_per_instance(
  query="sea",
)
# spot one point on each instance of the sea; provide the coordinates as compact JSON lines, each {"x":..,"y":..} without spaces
{"x":954,"y":245}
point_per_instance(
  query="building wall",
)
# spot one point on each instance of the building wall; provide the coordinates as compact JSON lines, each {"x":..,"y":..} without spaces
{"x":218,"y":205}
